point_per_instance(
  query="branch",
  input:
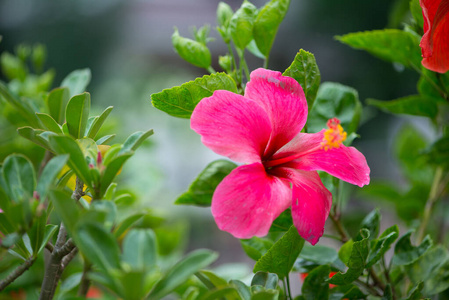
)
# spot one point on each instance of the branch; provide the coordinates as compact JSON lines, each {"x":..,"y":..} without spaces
{"x":16,"y":273}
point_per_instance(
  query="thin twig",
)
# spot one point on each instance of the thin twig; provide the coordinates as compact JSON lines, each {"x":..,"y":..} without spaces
{"x":340,"y":229}
{"x":49,"y":246}
{"x":68,"y":258}
{"x":85,"y":282}
{"x":16,"y":273}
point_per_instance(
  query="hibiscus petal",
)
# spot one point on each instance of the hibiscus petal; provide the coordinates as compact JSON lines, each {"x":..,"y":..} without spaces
{"x":435,"y":41}
{"x":283,"y":99}
{"x":311,"y":202}
{"x":232,"y":125}
{"x":247,"y":201}
{"x":346,"y":163}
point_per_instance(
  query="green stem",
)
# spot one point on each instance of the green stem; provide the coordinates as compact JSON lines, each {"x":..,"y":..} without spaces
{"x":245,"y":67}
{"x":417,"y":69}
{"x":340,"y":228}
{"x":265,"y":62}
{"x":288,"y":287}
{"x":433,"y":197}
{"x":211,"y":70}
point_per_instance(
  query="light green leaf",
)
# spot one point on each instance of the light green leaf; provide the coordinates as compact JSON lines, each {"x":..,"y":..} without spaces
{"x":21,"y":105}
{"x":305,"y":71}
{"x":126,"y":224}
{"x":77,"y":114}
{"x":281,"y":257}
{"x":180,"y":101}
{"x":105,"y":139}
{"x":111,"y":171}
{"x":202,"y":188}
{"x":135,"y":140}
{"x":18,"y":177}
{"x":242,"y":289}
{"x":267,"y":23}
{"x":77,"y":81}
{"x":241,"y":25}
{"x":97,"y":123}
{"x":49,"y":123}
{"x":56,"y":102}
{"x":139,"y":249}
{"x":416,"y":11}
{"x":372,"y":223}
{"x":415,"y":105}
{"x":34,"y":136}
{"x":192,"y":51}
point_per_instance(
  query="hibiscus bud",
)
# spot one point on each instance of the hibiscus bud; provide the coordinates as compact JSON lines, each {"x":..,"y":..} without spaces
{"x":225,"y":62}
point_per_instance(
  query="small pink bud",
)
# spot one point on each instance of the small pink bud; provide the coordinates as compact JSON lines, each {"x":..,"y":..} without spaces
{"x":36,"y":195}
{"x":91,"y":166}
{"x":99,"y":158}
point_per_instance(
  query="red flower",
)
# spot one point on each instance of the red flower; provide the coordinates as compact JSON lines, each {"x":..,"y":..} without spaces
{"x":435,"y":41}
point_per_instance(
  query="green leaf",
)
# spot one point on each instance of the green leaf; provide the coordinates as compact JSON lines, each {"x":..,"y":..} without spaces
{"x":50,"y":174}
{"x":98,"y":245}
{"x":241,"y":25}
{"x":382,"y":245}
{"x":37,"y":232}
{"x":372,"y":223}
{"x":283,"y":222}
{"x":180,"y":101}
{"x":266,"y":295}
{"x":98,"y":122}
{"x":33,"y":135}
{"x":135,"y":140}
{"x":126,"y":224}
{"x":415,"y":105}
{"x":224,"y":14}
{"x":49,"y":123}
{"x":13,"y":67}
{"x":242,"y":289}
{"x":335,"y":101}
{"x":202,"y":188}
{"x":50,"y":230}
{"x":415,"y":293}
{"x":405,"y":253}
{"x":256,"y":247}
{"x":77,"y":81}
{"x":305,"y":71}
{"x":267,"y":23}
{"x":56,"y":102}
{"x":388,"y":44}
{"x":220,"y":293}
{"x":438,"y":153}
{"x":66,"y":208}
{"x":76,"y":162}
{"x":139,"y":249}
{"x":18,"y":177}
{"x":210,"y":279}
{"x":356,"y":262}
{"x":77,"y":114}
{"x":21,"y":105}
{"x":105,"y":139}
{"x":192,"y":51}
{"x":345,"y":251}
{"x":315,"y":285}
{"x":319,"y":254}
{"x":266,"y":280}
{"x":180,"y":272}
{"x":281,"y":257}
{"x":111,"y":171}
{"x":416,"y":11}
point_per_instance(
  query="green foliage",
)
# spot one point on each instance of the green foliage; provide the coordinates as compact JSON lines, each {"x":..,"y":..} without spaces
{"x":415,"y":105}
{"x":192,"y":51}
{"x":77,"y":81}
{"x":241,"y":25}
{"x":315,"y":285}
{"x":18,"y":178}
{"x":282,"y":255}
{"x":256,"y":247}
{"x":139,"y":249}
{"x":77,"y":114}
{"x":305,"y":70}
{"x":202,"y":188}
{"x":405,"y":253}
{"x":381,"y":245}
{"x":388,"y":44}
{"x":180,"y":101}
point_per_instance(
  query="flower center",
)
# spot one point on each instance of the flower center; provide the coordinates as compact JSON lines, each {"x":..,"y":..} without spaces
{"x":334,"y":135}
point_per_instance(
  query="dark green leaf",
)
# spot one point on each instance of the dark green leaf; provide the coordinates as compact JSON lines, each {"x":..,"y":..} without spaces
{"x":429,"y":84}
{"x":315,"y":285}
{"x":356,"y":262}
{"x":388,"y":44}
{"x":50,"y":174}
{"x":241,"y":25}
{"x":202,"y":188}
{"x":266,"y":295}
{"x":415,"y":105}
{"x":416,"y":11}
{"x":50,"y":229}
{"x":49,"y":123}
{"x":77,"y":114}
{"x":319,"y":254}
{"x":126,"y":224}
{"x":372,"y":223}
{"x":223,"y":292}
{"x":305,"y":71}
{"x":77,"y":81}
{"x":242,"y":289}
{"x":97,"y":123}
{"x":65,"y":207}
{"x":192,"y":51}
{"x":56,"y":101}
{"x":22,"y":106}
{"x":111,"y":171}
{"x":76,"y":162}
{"x":267,"y":23}
{"x":37,"y":232}
{"x":382,"y":245}
{"x":180,"y":272}
{"x":98,"y":245}
{"x":135,"y":140}
{"x":139,"y":249}
{"x":405,"y":253}
{"x":283,"y":222}
{"x":388,"y":294}
{"x":281,"y":257}
{"x":180,"y":101}
{"x":266,"y":280}
{"x":415,"y":293}
{"x":256,"y":247}
{"x":34,"y":136}
{"x":335,"y":101}
{"x":438,"y":153}
{"x":18,"y":177}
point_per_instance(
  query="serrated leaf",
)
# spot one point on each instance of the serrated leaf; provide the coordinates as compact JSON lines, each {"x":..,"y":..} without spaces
{"x":335,"y":101}
{"x":77,"y":81}
{"x":382,"y":245}
{"x":77,"y":114}
{"x":192,"y":51}
{"x":305,"y":71}
{"x":49,"y":123}
{"x":202,"y":188}
{"x":388,"y":44}
{"x":415,"y":105}
{"x":267,"y":23}
{"x":241,"y":25}
{"x":56,"y":102}
{"x":405,"y":253}
{"x":180,"y":101}
{"x":139,"y":249}
{"x":315,"y":285}
{"x":281,"y":257}
{"x":356,"y":262}
{"x":97,"y":123}
{"x":256,"y":247}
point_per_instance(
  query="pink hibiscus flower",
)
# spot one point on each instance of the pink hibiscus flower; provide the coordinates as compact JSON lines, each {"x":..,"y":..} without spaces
{"x":262,"y":130}
{"x":435,"y":41}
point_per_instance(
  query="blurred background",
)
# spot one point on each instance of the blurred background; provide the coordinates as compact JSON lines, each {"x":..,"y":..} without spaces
{"x":127,"y":46}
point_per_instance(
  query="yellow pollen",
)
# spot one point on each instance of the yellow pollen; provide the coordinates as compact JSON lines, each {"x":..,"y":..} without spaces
{"x":334,"y":135}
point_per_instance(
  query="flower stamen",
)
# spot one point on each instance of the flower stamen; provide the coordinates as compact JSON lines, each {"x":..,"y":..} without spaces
{"x":334,"y":135}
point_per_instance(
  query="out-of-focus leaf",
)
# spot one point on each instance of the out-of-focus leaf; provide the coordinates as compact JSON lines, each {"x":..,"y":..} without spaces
{"x":77,"y":81}
{"x":280,"y":258}
{"x":105,"y":139}
{"x":180,"y":101}
{"x":34,"y":136}
{"x":49,"y":175}
{"x":319,"y":254}
{"x":304,"y":69}
{"x":126,"y":224}
{"x":382,"y":245}
{"x":37,"y":232}
{"x":135,"y":140}
{"x":23,"y":107}
{"x":265,"y":295}
{"x":97,"y":123}
{"x":50,"y":229}
{"x":438,"y":153}
{"x":266,"y":280}
{"x":416,"y":11}
{"x":139,"y":249}
{"x":372,"y":223}
{"x":392,"y":45}
{"x":66,"y":208}
{"x":315,"y":285}
{"x":18,"y":177}
{"x":241,"y":25}
{"x":111,"y":171}
{"x":335,"y":101}
{"x":267,"y":23}
{"x":405,"y":253}
{"x":202,"y":188}
{"x":192,"y":51}
{"x":256,"y":247}
{"x":415,"y":105}
{"x":49,"y":123}
{"x":77,"y":114}
{"x":242,"y":289}
{"x":415,"y":293}
{"x":56,"y":102}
